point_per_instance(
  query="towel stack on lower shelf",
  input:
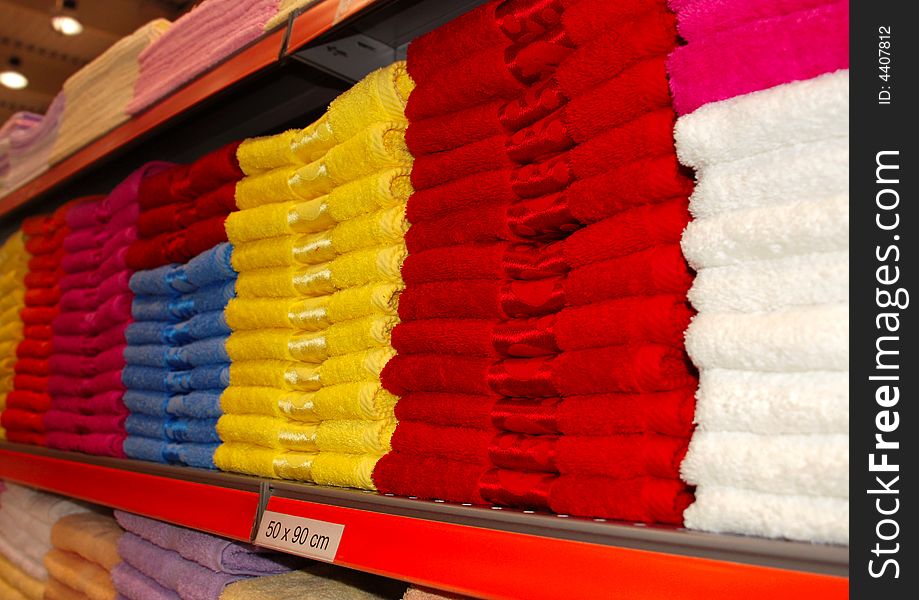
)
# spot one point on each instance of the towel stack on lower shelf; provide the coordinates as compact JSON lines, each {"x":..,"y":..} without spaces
{"x":87,"y":413}
{"x":770,"y":245}
{"x":318,"y":244}
{"x":14,"y":261}
{"x":29,"y":400}
{"x":27,"y":518}
{"x":84,"y":552}
{"x":540,"y":353}
{"x":176,"y":359}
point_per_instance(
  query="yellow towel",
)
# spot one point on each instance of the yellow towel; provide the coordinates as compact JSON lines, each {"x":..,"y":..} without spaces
{"x":92,"y":536}
{"x":384,"y":227}
{"x":378,"y":97}
{"x":267,"y":188}
{"x":380,"y":190}
{"x":349,"y":270}
{"x":349,"y":437}
{"x":295,"y":376}
{"x":80,"y":574}
{"x":379,"y":146}
{"x":310,"y":346}
{"x":8,"y":592}
{"x":257,"y":155}
{"x":15,"y":578}
{"x":347,"y":401}
{"x":327,"y":468}
{"x":316,"y":582}
{"x":14,"y":260}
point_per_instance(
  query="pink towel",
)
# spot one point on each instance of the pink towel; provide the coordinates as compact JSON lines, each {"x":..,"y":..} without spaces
{"x":72,"y":422}
{"x":106,"y":403}
{"x":760,"y":55}
{"x":699,"y":18}
{"x":102,"y":444}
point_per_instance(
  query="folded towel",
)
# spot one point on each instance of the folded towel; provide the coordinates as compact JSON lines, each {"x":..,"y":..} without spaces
{"x":811,"y":338}
{"x":769,"y":285}
{"x":104,"y":403}
{"x":383,"y":189}
{"x":810,"y":465}
{"x":104,"y":382}
{"x":88,"y":366}
{"x":773,"y":403}
{"x":481,"y":299}
{"x":80,"y":574}
{"x":90,"y":299}
{"x":768,"y":233}
{"x":176,"y":429}
{"x":173,"y":217}
{"x":211,"y":377}
{"x":313,"y":314}
{"x":266,"y":153}
{"x":156,"y":308}
{"x":216,"y":553}
{"x":210,"y":267}
{"x":312,"y":347}
{"x":199,"y":353}
{"x":791,"y":113}
{"x":12,"y":547}
{"x":764,"y":53}
{"x":383,"y":227}
{"x":349,"y":270}
{"x":89,"y":345}
{"x":807,"y":518}
{"x":635,"y":368}
{"x":699,"y":20}
{"x":55,"y":590}
{"x":323,"y":468}
{"x":203,"y":404}
{"x":176,"y":246}
{"x":20,"y":583}
{"x":112,"y":312}
{"x":348,"y":401}
{"x":666,"y":413}
{"x":90,"y":535}
{"x":59,"y":420}
{"x":348,"y":437}
{"x":297,"y":585}
{"x":211,"y":324}
{"x":134,"y":585}
{"x":190,"y":579}
{"x":160,"y":450}
{"x":658,"y":319}
{"x":101,"y":444}
{"x":359,"y":366}
{"x":378,"y":97}
{"x":785,"y":175}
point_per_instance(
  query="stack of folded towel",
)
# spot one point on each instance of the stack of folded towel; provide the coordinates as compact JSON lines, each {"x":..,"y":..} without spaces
{"x":84,"y":552}
{"x":87,"y":413}
{"x":99,"y":93}
{"x":14,"y":262}
{"x":318,"y":243}
{"x":29,"y":400}
{"x":176,"y":359}
{"x":17,"y":125}
{"x":763,"y":89}
{"x":26,"y":521}
{"x":207,"y":34}
{"x":30,"y":148}
{"x":160,"y":560}
{"x":540,"y":350}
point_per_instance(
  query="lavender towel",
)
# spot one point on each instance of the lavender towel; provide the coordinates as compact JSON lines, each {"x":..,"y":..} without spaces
{"x":131,"y":584}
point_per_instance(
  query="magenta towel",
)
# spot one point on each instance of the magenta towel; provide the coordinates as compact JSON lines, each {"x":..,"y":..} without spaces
{"x":85,"y":280}
{"x":64,"y":385}
{"x":90,"y":298}
{"x":760,"y":55}
{"x":71,"y":422}
{"x":100,"y":444}
{"x":699,"y":18}
{"x":106,"y":403}
{"x":88,"y":345}
{"x":114,"y":311}
{"x":90,"y":259}
{"x":73,"y":365}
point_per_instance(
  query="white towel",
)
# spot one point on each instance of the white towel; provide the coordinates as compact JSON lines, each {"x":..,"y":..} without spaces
{"x":782,"y":176}
{"x":768,"y":233}
{"x":29,"y":538}
{"x":41,"y":505}
{"x":803,"y":518}
{"x":806,"y":465}
{"x":767,"y":285}
{"x":773,"y":403}
{"x":791,"y":113}
{"x":811,"y":338}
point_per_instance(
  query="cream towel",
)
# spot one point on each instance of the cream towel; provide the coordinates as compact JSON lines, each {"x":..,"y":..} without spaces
{"x":771,"y":403}
{"x":806,"y":518}
{"x":813,"y":338}
{"x":781,"y":176}
{"x":768,"y":285}
{"x":792,"y":113}
{"x":806,"y":465}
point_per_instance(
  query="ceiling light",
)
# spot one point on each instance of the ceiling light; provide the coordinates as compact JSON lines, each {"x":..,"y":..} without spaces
{"x":64,"y":20}
{"x":12,"y":77}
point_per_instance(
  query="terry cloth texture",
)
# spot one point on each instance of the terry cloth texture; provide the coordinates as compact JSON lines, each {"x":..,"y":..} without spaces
{"x":27,"y":147}
{"x":545,"y":291}
{"x":99,"y":93}
{"x":16,"y":126}
{"x":26,"y":385}
{"x":15,"y":263}
{"x":316,"y":582}
{"x":318,"y":243}
{"x":196,"y":41}
{"x":179,"y":327}
{"x":770,"y":246}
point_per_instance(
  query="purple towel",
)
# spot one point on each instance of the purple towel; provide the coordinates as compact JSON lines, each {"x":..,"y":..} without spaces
{"x":131,"y":584}
{"x":215,"y":553}
{"x":170,"y":570}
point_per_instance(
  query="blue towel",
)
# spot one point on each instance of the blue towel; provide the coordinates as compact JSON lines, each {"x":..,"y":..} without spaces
{"x":199,"y":327}
{"x":175,"y":429}
{"x":147,"y":332}
{"x":180,"y":308}
{"x":212,"y":377}
{"x":211,"y":267}
{"x":212,"y":351}
{"x":203,"y":404}
{"x":161,"y":451}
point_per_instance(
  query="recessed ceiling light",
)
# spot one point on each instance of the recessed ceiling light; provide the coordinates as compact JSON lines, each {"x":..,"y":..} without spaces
{"x":12,"y":77}
{"x":64,"y":20}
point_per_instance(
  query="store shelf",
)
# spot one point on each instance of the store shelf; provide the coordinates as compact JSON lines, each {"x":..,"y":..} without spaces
{"x":478,"y":551}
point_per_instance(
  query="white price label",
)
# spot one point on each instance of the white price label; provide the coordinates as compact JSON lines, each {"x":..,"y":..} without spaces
{"x":299,"y":535}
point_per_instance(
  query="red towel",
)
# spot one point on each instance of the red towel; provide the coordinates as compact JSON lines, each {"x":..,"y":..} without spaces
{"x":429,"y":477}
{"x":214,"y":169}
{"x":25,"y":437}
{"x":46,"y":243}
{"x":177,"y":246}
{"x":32,"y":366}
{"x":40,"y":349}
{"x":666,"y":413}
{"x":164,"y":187}
{"x":42,"y":296}
{"x":46,"y":262}
{"x":43,"y":278}
{"x":482,"y":299}
{"x":28,"y":400}
{"x":29,"y":383}
{"x":627,"y":368}
{"x":657,"y":319}
{"x":173,"y":217}
{"x":14,"y":419}
{"x":499,"y":260}
{"x":39,"y":315}
{"x":619,"y":456}
{"x":37,"y":332}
